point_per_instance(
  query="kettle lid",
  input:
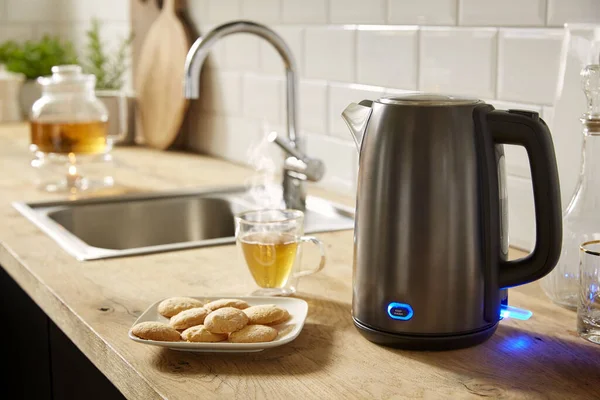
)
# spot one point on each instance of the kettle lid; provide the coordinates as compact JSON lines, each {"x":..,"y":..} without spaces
{"x":428,"y":99}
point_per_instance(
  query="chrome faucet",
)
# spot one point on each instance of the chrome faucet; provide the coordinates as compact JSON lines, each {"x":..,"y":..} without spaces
{"x":298,"y":167}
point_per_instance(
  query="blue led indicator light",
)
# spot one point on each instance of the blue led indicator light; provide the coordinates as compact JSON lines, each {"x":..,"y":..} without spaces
{"x":514,"y":313}
{"x":400,"y":311}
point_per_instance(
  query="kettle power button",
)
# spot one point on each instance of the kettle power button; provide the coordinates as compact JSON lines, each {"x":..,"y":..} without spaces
{"x":400,"y":311}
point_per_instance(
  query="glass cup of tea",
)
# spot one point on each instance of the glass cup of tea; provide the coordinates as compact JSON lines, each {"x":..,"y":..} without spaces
{"x":588,"y":307}
{"x":271,"y":244}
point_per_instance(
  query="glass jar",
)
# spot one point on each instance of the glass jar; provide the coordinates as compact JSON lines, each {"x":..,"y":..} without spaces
{"x":581,"y":220}
{"x":69,"y":132}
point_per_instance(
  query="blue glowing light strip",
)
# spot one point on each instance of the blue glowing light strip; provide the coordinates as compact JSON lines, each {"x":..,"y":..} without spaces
{"x":514,"y":313}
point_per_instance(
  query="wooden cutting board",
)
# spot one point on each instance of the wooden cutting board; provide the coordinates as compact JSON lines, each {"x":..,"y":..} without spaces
{"x":159,"y":79}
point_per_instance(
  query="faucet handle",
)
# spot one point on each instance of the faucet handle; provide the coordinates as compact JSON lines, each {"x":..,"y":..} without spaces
{"x":313,"y":169}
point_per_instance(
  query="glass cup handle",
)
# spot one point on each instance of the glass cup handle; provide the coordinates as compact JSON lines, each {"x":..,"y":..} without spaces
{"x":313,"y":240}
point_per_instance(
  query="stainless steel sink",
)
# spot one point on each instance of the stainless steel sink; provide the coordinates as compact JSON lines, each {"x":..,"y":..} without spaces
{"x":127,"y":225}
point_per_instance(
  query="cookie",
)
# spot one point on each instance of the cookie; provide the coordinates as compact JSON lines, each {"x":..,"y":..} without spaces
{"x":265,"y":314}
{"x":152,"y":330}
{"x":286,"y":316}
{"x":175,"y":305}
{"x":225,"y":320}
{"x":199,"y":333}
{"x":189,"y":318}
{"x":253,"y":334}
{"x":235,"y":303}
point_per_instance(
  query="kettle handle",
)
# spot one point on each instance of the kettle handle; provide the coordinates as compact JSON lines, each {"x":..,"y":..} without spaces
{"x":525,"y":128}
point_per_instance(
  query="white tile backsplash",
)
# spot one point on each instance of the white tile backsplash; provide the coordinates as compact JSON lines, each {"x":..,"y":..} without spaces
{"x":422,"y":12}
{"x":263,"y":11}
{"x":497,"y":50}
{"x":563,"y":11}
{"x":357,"y":11}
{"x":329,"y":53}
{"x":242,"y":52}
{"x":398,"y":46}
{"x":460,"y":61}
{"x":340,"y":96}
{"x":503,"y":13}
{"x":271,"y":61}
{"x":304,"y":11}
{"x":341,"y":162}
{"x":522,"y":77}
{"x":220,"y":11}
{"x":521,"y":213}
{"x":263,"y":98}
{"x":312,"y":106}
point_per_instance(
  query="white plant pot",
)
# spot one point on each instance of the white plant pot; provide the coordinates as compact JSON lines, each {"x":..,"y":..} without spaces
{"x":30,"y":92}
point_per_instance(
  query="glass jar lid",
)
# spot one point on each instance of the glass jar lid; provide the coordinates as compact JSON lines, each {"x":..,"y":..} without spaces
{"x":67,"y":77}
{"x":429,"y":99}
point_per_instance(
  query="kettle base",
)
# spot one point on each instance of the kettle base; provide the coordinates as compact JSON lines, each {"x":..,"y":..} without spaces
{"x":415,"y":342}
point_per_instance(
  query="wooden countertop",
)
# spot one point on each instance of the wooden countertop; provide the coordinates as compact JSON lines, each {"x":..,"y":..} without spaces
{"x":95,"y":303}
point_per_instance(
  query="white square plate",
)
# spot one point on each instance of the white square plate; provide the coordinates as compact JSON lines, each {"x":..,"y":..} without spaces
{"x":288,"y":330}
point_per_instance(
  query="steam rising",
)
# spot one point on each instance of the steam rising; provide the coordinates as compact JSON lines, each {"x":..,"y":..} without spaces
{"x":263,"y":187}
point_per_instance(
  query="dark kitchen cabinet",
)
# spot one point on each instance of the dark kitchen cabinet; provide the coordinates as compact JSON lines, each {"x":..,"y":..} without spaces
{"x":39,"y":360}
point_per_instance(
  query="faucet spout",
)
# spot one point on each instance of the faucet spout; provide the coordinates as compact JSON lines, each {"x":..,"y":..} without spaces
{"x":293,"y":186}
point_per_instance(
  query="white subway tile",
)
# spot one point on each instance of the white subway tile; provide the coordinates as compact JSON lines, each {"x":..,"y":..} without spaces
{"x":563,"y":11}
{"x":197,"y":11}
{"x":502,"y":13}
{"x":262,"y":98}
{"x":220,"y":11}
{"x":357,"y":11}
{"x":548,"y":114}
{"x":521,"y":213}
{"x":340,"y":96}
{"x":2,"y":10}
{"x":330,"y":53}
{"x":16,"y":31}
{"x":42,"y":29}
{"x":263,"y":11}
{"x":43,"y":10}
{"x":270,"y":60}
{"x":225,"y":137}
{"x":341,"y":162}
{"x":387,"y":57}
{"x":221,"y":92}
{"x":242,"y":52}
{"x":459,"y":61}
{"x":397,"y":92}
{"x":312,"y":106}
{"x":422,"y":12}
{"x":528,"y":64}
{"x":75,"y":32}
{"x":517,"y":162}
{"x":84,"y":10}
{"x":304,"y":11}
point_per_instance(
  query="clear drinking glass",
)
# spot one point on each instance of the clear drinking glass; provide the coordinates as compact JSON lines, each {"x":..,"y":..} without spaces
{"x":588,"y":309}
{"x":270,"y":241}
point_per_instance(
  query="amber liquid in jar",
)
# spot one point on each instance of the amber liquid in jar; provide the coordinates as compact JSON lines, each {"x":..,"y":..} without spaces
{"x":69,"y":137}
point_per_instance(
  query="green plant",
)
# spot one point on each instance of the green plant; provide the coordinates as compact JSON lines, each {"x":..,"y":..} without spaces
{"x":109,"y":70}
{"x":36,"y":58}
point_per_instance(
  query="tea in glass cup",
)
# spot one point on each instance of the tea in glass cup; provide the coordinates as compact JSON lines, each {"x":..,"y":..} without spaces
{"x":270,"y":241}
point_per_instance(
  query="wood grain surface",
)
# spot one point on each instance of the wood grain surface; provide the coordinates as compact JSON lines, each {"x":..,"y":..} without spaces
{"x":159,"y":79}
{"x":95,"y":303}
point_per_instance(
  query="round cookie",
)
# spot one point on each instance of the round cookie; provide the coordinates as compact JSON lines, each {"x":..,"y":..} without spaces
{"x":265,"y":314}
{"x":286,"y":316}
{"x":152,"y":330}
{"x":253,"y":334}
{"x":225,"y":320}
{"x":199,"y":333}
{"x":175,"y":305}
{"x":235,"y":303}
{"x":189,"y":318}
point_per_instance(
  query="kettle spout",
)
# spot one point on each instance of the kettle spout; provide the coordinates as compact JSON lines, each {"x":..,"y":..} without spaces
{"x":356,"y":117}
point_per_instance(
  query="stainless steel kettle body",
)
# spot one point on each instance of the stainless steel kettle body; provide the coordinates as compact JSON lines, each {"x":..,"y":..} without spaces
{"x":431,"y":244}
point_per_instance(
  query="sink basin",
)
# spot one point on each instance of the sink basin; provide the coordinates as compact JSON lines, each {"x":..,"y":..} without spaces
{"x":127,"y":225}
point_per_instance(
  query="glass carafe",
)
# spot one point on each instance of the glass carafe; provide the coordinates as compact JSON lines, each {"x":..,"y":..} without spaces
{"x":69,"y":132}
{"x":581,"y":220}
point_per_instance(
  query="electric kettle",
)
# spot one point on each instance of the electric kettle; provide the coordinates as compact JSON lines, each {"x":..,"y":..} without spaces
{"x":430,"y":239}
